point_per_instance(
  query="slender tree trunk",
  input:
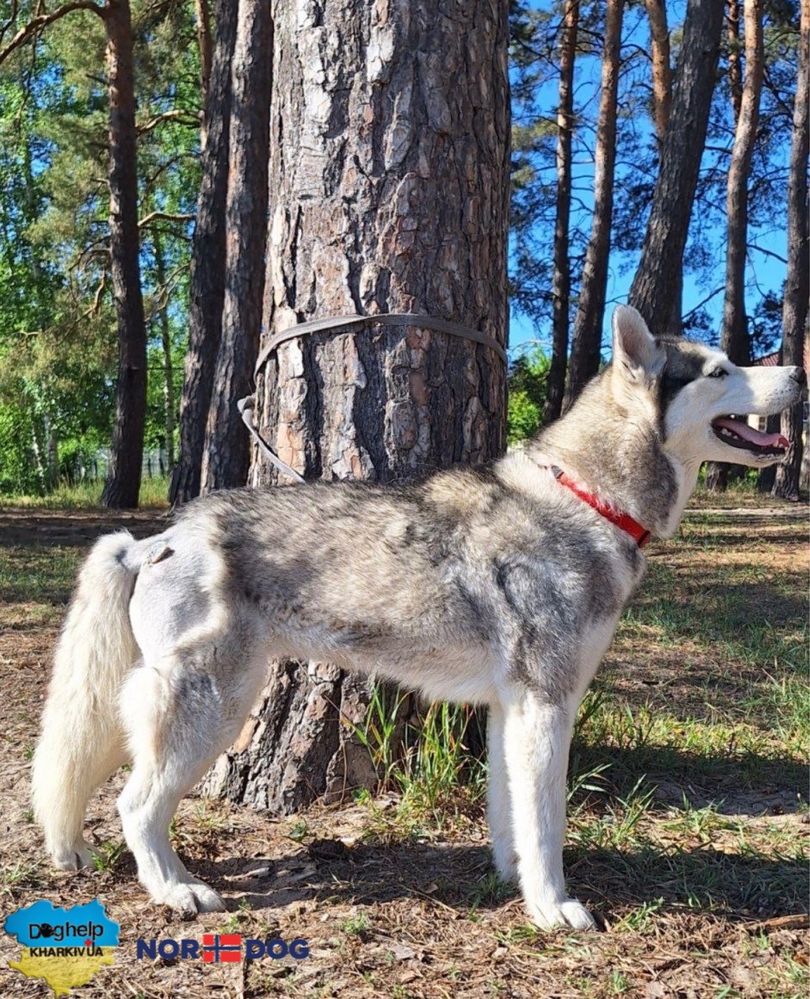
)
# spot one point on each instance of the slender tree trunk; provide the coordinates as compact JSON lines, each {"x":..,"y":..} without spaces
{"x":166,"y":347}
{"x":795,"y":333}
{"x":662,"y":106}
{"x":587,"y":344}
{"x":661,"y":69}
{"x":562,"y":266}
{"x":227,"y":454}
{"x":735,"y":340}
{"x":653,"y":290}
{"x":735,"y":84}
{"x":207,"y":292}
{"x":126,"y":453}
{"x":202,"y":13}
{"x":389,"y":195}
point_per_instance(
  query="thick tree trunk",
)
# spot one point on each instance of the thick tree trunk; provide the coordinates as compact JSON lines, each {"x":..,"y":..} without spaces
{"x":795,"y":330}
{"x":390,"y":194}
{"x":124,"y":474}
{"x":562,"y":266}
{"x":587,"y":344}
{"x":207,"y":292}
{"x":166,"y":347}
{"x":227,"y":453}
{"x":653,"y":290}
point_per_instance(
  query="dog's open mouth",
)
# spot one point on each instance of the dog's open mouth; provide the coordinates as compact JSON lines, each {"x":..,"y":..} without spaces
{"x":734,"y":431}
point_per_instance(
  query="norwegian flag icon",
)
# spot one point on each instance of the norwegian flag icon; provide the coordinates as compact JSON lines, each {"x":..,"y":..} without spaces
{"x":225,"y":947}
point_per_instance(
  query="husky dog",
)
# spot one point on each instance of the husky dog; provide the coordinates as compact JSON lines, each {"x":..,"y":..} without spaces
{"x":499,"y":586}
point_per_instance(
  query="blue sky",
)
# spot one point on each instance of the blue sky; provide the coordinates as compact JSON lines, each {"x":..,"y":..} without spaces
{"x":764,"y":272}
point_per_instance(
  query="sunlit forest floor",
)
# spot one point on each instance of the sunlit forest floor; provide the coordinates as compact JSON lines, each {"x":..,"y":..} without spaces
{"x":689,"y":819}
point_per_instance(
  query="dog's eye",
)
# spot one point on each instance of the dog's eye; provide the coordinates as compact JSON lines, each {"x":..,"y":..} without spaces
{"x":717,"y":373}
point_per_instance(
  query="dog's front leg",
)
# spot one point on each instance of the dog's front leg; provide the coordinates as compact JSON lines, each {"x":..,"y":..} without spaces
{"x":537,"y":736}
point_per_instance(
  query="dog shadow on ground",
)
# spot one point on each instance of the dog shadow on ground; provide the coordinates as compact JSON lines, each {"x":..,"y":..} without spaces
{"x":738,"y":886}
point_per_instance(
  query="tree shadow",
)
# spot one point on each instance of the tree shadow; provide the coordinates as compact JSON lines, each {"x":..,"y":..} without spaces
{"x":749,"y":886}
{"x":737,"y":784}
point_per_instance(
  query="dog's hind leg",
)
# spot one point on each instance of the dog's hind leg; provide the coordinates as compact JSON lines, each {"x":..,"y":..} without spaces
{"x":82,"y":740}
{"x":499,"y":805}
{"x":180,"y":714}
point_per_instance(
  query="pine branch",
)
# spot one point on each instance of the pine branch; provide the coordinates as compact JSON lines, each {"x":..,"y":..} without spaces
{"x":41,"y":21}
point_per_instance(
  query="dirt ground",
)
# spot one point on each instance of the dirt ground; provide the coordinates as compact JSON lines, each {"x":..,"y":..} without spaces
{"x":699,"y":875}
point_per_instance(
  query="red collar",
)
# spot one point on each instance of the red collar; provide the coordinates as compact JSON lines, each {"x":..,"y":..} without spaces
{"x":637,"y":532}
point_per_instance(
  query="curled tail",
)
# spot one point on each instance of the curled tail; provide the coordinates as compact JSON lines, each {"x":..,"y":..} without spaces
{"x":82,"y":742}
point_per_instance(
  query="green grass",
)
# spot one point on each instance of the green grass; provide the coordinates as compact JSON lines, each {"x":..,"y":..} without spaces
{"x":356,"y":925}
{"x":42,"y":576}
{"x":87,"y":495}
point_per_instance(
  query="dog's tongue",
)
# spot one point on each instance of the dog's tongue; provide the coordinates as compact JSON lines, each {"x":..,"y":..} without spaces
{"x":742,"y":429}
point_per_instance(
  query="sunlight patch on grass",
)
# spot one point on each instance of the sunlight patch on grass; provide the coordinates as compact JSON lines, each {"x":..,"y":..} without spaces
{"x":87,"y":495}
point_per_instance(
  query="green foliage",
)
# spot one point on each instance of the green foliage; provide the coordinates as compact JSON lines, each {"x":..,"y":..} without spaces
{"x":58,"y":349}
{"x":527,"y":395}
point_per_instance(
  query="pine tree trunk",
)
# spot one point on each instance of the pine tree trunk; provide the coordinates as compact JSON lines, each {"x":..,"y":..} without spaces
{"x":735,"y":84}
{"x":555,"y":385}
{"x":653,"y":290}
{"x":795,"y":330}
{"x":735,"y":340}
{"x":207,"y":291}
{"x":166,"y":347}
{"x":124,"y":474}
{"x":662,"y":106}
{"x":226,"y":456}
{"x":661,"y":69}
{"x":202,"y":14}
{"x":389,"y":170}
{"x":586,"y":349}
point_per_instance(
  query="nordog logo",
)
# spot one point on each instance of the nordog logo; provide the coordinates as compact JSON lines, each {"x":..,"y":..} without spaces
{"x":216,"y":948}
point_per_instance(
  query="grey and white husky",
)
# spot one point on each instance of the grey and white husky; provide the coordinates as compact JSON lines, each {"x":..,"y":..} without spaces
{"x":499,"y":586}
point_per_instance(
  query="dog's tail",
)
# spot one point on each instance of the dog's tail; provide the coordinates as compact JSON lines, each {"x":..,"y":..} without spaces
{"x":82,"y":741}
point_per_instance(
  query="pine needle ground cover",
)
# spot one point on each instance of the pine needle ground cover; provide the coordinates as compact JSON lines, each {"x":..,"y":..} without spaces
{"x":689,"y":820}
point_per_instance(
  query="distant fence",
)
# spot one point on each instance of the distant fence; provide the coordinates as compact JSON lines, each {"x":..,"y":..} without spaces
{"x":155,"y":464}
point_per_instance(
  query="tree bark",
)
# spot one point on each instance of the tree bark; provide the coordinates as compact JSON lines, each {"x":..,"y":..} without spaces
{"x":390,"y":194}
{"x":586,"y":349}
{"x":653,"y":289}
{"x":661,"y":69}
{"x":226,"y":456}
{"x":166,"y":348}
{"x":207,"y":284}
{"x":735,"y":84}
{"x":202,"y":13}
{"x":735,"y":340}
{"x":662,"y":107}
{"x":124,"y":474}
{"x":795,"y":332}
{"x":555,"y":385}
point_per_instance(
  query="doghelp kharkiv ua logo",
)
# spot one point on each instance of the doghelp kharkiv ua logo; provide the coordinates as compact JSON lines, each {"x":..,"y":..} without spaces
{"x":66,"y":947}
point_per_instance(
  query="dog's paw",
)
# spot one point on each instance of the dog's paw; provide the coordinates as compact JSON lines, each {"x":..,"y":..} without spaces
{"x":187,"y":900}
{"x":72,"y":858}
{"x":550,"y":914}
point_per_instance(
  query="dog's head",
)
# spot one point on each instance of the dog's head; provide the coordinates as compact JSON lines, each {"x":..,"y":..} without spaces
{"x":699,"y":399}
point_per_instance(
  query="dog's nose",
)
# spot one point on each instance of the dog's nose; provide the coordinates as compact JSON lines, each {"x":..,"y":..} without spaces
{"x":798,"y":375}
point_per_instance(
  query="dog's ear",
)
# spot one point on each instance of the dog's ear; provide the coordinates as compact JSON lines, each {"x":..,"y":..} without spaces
{"x":635,"y":351}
